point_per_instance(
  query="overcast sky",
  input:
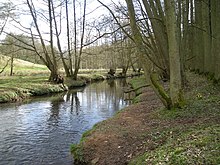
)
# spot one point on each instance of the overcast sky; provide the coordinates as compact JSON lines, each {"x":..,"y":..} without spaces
{"x":94,"y":10}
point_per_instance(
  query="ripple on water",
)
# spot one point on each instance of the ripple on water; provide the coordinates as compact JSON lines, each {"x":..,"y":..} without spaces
{"x":40,"y":132}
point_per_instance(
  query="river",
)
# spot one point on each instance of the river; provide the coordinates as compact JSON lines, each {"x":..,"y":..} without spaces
{"x":40,"y":131}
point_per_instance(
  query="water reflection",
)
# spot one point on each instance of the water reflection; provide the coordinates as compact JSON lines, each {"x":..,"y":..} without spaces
{"x":40,"y":131}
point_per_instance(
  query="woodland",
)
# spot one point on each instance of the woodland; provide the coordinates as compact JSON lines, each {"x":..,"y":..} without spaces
{"x":174,"y":118}
{"x":164,"y":38}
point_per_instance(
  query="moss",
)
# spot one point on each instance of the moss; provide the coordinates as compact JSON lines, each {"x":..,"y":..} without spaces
{"x":165,"y":98}
{"x":137,"y":99}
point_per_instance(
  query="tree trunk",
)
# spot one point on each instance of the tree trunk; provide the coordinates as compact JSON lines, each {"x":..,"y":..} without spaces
{"x":145,"y":62}
{"x":174,"y":55}
{"x":213,"y":34}
{"x":199,"y":39}
{"x":50,"y":63}
{"x":12,"y":65}
{"x":216,"y":40}
{"x":158,"y":27}
{"x":191,"y":58}
{"x":68,"y":38}
{"x":66,"y":68}
{"x":207,"y":36}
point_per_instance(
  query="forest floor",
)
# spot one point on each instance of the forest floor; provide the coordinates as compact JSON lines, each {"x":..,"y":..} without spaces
{"x":147,"y":133}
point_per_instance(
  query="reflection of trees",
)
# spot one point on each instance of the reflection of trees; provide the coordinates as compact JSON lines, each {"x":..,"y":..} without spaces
{"x":123,"y":82}
{"x":106,"y":95}
{"x":74,"y":101}
{"x":111,"y":83}
{"x":55,"y":108}
{"x":103,"y":96}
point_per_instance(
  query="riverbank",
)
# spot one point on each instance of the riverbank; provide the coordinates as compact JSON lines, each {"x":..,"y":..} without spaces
{"x":146,"y":133}
{"x":18,"y":88}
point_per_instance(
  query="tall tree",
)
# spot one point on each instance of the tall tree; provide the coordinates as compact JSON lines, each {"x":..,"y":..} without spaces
{"x":215,"y":6}
{"x":151,"y":78}
{"x":174,"y":54}
{"x":57,"y":34}
{"x":78,"y":53}
{"x":199,"y":42}
{"x":48,"y":61}
{"x":68,"y":38}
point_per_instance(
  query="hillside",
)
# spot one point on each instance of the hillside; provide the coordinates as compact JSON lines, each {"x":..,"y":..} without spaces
{"x":21,"y":67}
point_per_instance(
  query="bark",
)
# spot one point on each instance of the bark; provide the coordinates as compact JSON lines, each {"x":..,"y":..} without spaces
{"x":174,"y":55}
{"x":184,"y":40}
{"x":207,"y":36}
{"x":199,"y":39}
{"x":12,"y":65}
{"x":158,"y":27}
{"x":75,"y":40}
{"x":51,"y":33}
{"x":190,"y":59}
{"x":68,"y":38}
{"x":216,"y":39}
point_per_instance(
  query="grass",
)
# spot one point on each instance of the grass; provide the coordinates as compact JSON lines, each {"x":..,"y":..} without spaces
{"x":136,"y":83}
{"x":200,"y":145}
{"x":189,"y":143}
{"x":14,"y":88}
{"x":28,"y":80}
{"x":77,"y":152}
{"x":22,"y":68}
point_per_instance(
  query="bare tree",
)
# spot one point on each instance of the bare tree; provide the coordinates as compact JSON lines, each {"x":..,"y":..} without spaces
{"x":6,"y":11}
{"x":78,"y":51}
{"x":49,"y":61}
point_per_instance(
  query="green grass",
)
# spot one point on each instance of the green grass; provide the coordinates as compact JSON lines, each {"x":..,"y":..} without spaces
{"x":14,"y":88}
{"x":199,"y":145}
{"x":28,"y":79}
{"x":194,"y":137}
{"x":21,"y":67}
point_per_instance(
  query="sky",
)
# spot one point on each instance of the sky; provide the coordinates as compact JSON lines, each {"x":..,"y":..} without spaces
{"x":94,"y":12}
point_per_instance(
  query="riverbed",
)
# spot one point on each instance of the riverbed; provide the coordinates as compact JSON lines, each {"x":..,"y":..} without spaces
{"x":41,"y":130}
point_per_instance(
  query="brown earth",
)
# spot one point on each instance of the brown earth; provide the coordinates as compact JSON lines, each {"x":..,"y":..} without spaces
{"x":117,"y":140}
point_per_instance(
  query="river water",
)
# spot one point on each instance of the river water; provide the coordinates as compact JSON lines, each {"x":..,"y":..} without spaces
{"x":40,"y":131}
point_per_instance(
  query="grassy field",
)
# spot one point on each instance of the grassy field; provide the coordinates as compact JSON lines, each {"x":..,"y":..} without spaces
{"x":21,"y":67}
